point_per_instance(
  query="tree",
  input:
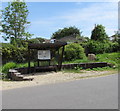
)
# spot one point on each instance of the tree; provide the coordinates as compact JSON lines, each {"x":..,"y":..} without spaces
{"x":66,"y":32}
{"x":99,"y":33}
{"x":14,"y":22}
{"x":36,"y":40}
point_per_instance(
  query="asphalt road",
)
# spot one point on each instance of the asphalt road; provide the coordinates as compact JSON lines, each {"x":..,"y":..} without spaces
{"x":94,"y":93}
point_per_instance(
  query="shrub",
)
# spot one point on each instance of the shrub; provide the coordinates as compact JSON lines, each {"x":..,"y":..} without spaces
{"x":8,"y":66}
{"x":74,"y":51}
{"x":6,"y":50}
{"x":14,"y":54}
{"x":97,"y":47}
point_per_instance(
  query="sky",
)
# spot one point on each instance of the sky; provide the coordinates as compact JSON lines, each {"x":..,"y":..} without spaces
{"x":47,"y":17}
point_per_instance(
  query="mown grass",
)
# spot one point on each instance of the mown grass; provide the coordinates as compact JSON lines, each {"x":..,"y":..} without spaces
{"x":91,"y":76}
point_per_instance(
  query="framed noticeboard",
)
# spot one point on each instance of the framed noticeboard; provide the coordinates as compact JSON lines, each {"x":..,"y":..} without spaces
{"x":44,"y":55}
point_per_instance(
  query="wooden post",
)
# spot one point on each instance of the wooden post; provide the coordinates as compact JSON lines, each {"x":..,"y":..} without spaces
{"x":49,"y":62}
{"x":58,"y":57}
{"x":28,"y":60}
{"x":38,"y":63}
{"x":61,"y":59}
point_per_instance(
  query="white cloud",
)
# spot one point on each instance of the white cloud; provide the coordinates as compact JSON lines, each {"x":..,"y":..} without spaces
{"x":97,"y":12}
{"x":84,"y":18}
{"x":105,"y":13}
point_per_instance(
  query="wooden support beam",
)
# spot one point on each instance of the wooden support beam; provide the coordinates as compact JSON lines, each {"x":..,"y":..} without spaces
{"x":49,"y":63}
{"x":38,"y":63}
{"x":61,"y":59}
{"x":58,"y":57}
{"x":28,"y":60}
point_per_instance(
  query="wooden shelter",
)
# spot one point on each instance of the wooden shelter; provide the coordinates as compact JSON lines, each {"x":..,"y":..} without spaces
{"x":48,"y":49}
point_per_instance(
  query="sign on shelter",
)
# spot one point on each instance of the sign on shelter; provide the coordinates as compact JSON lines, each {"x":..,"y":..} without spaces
{"x":44,"y":55}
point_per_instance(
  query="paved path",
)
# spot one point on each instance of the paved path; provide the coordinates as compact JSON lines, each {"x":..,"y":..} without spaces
{"x":94,"y":93}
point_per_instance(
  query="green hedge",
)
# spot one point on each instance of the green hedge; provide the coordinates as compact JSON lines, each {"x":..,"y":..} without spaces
{"x":74,"y":51}
{"x":13,"y":54}
{"x":97,"y":47}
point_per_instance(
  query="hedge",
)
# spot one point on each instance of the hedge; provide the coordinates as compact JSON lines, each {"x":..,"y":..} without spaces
{"x":74,"y":51}
{"x":97,"y":47}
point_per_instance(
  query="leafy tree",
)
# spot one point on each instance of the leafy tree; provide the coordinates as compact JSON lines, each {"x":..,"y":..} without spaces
{"x":99,"y":33}
{"x":36,"y":40}
{"x":66,"y":32}
{"x":14,"y":21}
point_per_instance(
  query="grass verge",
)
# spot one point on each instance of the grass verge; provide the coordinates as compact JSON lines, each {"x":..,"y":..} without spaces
{"x":100,"y":75}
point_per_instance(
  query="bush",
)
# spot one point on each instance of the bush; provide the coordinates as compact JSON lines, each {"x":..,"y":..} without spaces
{"x":97,"y":47}
{"x":14,"y":54}
{"x":8,"y":66}
{"x":74,"y":51}
{"x":10,"y":53}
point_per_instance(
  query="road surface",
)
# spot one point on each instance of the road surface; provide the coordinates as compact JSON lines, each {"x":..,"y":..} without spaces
{"x":93,"y":93}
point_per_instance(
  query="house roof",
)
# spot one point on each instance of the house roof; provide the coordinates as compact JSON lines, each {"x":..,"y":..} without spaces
{"x":44,"y":46}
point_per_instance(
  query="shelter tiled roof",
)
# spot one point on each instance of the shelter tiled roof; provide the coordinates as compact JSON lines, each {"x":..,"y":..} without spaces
{"x":42,"y":46}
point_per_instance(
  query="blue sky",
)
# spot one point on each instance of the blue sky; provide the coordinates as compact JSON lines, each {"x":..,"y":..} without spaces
{"x":48,"y":17}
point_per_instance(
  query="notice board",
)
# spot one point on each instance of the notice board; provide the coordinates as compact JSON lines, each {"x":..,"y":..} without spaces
{"x":44,"y":55}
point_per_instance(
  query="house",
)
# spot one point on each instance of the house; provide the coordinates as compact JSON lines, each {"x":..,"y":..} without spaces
{"x":72,"y":39}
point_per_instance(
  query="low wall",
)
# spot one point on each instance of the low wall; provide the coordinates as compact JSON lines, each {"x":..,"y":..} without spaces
{"x":85,"y":65}
{"x":64,"y":66}
{"x":36,"y":69}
